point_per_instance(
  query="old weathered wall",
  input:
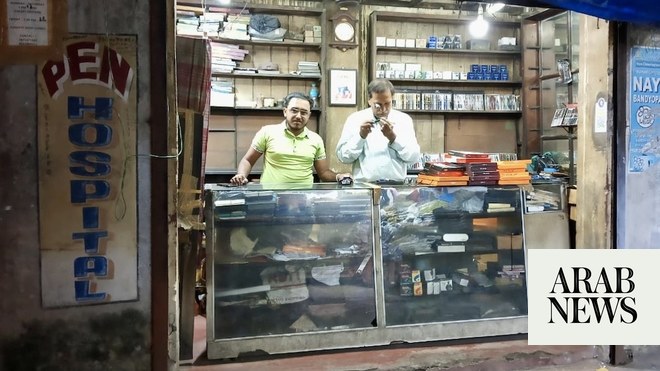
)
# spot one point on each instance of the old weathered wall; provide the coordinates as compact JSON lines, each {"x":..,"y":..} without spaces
{"x":116,"y":336}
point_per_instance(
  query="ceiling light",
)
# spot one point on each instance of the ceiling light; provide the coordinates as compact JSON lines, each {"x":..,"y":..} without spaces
{"x":479,"y":27}
{"x":495,"y":7}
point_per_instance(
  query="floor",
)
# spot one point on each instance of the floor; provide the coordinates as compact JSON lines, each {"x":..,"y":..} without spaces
{"x":504,"y":354}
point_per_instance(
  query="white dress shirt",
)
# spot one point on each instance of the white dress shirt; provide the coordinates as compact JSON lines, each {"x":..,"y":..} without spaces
{"x":375,"y":158}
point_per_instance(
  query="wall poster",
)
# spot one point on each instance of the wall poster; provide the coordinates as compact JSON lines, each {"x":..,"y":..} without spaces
{"x":31,"y":30}
{"x":87,"y":102}
{"x":644,"y":140}
{"x":343,"y":87}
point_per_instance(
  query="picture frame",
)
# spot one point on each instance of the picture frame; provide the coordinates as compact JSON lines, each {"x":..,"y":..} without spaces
{"x":342,"y":87}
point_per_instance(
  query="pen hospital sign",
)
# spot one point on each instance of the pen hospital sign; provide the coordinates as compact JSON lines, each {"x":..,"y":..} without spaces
{"x":87,"y":172}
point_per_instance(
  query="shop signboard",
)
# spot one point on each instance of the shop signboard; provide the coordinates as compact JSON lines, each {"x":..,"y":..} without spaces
{"x":87,"y":108}
{"x":644,"y":142}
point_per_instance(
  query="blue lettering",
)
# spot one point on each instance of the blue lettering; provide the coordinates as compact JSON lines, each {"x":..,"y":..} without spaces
{"x":94,"y":265}
{"x":102,"y":108}
{"x":102,"y":137}
{"x":90,"y":217}
{"x":79,"y":188}
{"x":83,"y":293}
{"x":90,"y":240}
{"x":92,"y":163}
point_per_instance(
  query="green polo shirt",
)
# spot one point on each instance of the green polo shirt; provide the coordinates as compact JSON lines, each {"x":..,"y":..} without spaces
{"x":288,"y":158}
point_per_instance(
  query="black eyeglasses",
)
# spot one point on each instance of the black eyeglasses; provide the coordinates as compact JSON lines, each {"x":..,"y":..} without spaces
{"x":296,"y":111}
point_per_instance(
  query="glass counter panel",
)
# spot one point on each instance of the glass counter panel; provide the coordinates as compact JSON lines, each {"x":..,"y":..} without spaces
{"x":292,"y":260}
{"x":452,"y":254}
{"x":542,"y":197}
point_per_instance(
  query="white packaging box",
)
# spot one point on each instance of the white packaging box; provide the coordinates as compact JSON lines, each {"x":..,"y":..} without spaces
{"x":463,"y":75}
{"x":381,"y":41}
{"x":390,"y":42}
{"x":400,"y":43}
{"x":445,"y":285}
{"x":410,"y":43}
{"x":219,"y":99}
{"x":455,"y":75}
{"x":397,"y":66}
{"x":446,"y":75}
{"x":420,"y":43}
{"x":413,"y":66}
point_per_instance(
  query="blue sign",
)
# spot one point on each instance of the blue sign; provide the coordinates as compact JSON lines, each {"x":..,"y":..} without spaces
{"x":644,"y":141}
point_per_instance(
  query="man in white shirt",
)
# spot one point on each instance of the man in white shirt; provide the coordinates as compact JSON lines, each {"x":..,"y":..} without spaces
{"x":379,"y":141}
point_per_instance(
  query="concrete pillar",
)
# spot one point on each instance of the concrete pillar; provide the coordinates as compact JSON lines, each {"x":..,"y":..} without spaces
{"x":594,"y":149}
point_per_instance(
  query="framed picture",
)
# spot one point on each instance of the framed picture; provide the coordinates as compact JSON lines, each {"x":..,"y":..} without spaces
{"x":343,"y":87}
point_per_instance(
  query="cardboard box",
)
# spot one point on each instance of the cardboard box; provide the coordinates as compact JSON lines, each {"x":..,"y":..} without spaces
{"x":482,"y":261}
{"x":478,"y":44}
{"x":506,"y":242}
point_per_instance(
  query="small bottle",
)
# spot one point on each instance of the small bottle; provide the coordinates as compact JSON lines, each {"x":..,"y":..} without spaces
{"x":314,"y":94}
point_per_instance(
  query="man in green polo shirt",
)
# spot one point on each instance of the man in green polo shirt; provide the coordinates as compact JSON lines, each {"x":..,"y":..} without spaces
{"x":291,"y":151}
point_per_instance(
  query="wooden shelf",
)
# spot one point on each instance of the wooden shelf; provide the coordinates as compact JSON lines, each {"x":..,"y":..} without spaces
{"x":268,"y":110}
{"x":288,"y":44}
{"x":384,"y":24}
{"x":449,"y":51}
{"x":495,"y":83}
{"x":198,"y":7}
{"x":455,"y":112}
{"x":432,"y":18}
{"x":279,"y":76}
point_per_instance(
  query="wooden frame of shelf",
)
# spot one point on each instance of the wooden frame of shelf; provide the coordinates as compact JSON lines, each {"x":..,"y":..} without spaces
{"x":434,"y":125}
{"x":279,"y":76}
{"x":233,"y":127}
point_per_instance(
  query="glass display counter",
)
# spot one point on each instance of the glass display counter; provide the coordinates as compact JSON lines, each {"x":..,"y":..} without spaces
{"x":452,"y":254}
{"x":330,"y":266}
{"x":287,"y":261}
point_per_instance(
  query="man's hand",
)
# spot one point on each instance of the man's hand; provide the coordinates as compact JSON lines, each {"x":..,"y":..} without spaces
{"x":387,"y":128}
{"x":366,"y":128}
{"x":341,"y":176}
{"x":238,"y":179}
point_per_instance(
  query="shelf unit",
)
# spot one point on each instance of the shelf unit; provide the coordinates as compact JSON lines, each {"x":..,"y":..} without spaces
{"x":554,"y":35}
{"x":441,"y":130}
{"x":231,"y":129}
